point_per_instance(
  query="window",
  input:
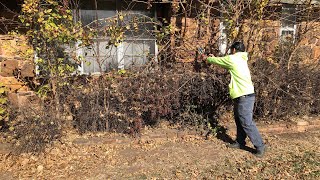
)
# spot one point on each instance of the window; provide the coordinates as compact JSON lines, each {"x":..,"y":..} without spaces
{"x":223,"y":40}
{"x":137,"y":52}
{"x":288,"y":22}
{"x":135,"y":49}
{"x":99,"y":57}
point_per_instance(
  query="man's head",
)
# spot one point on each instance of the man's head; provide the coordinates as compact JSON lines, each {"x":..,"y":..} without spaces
{"x":237,"y":47}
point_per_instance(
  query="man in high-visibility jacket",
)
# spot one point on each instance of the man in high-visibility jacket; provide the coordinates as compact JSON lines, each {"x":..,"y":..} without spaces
{"x":242,"y":93}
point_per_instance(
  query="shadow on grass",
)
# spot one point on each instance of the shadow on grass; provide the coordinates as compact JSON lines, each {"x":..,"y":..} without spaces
{"x":223,"y":136}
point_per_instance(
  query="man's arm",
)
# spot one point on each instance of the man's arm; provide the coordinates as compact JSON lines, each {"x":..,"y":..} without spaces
{"x":224,"y":62}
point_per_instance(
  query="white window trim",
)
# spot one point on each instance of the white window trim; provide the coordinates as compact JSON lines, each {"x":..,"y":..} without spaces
{"x":156,"y":51}
{"x":35,"y":60}
{"x":222,"y":39}
{"x":288,"y":28}
{"x":80,"y":53}
{"x":120,"y":56}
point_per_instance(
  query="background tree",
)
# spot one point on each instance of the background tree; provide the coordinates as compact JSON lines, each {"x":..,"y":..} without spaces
{"x":51,"y":31}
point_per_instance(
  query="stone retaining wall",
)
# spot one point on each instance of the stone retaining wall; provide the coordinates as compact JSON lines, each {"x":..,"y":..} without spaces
{"x":16,"y":68}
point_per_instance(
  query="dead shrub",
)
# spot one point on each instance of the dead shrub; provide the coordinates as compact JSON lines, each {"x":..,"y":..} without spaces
{"x":286,"y":85}
{"x":127,"y":102}
{"x":33,"y":129}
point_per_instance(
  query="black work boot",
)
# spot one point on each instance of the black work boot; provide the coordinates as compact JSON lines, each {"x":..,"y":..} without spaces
{"x":260,"y":151}
{"x":235,"y":145}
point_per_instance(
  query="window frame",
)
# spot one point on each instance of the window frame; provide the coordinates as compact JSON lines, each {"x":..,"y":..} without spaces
{"x":284,"y":27}
{"x":120,"y":51}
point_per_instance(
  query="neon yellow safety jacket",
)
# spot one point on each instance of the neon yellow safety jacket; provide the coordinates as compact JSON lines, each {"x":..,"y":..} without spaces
{"x":237,"y":65}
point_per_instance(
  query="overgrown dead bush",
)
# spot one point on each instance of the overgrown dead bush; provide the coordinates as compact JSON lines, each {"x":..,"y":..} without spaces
{"x":286,"y":85}
{"x":125,"y":103}
{"x":31,"y":130}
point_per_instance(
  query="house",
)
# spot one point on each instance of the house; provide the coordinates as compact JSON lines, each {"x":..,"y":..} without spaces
{"x":192,"y":24}
{"x":136,"y":48}
{"x":206,"y":23}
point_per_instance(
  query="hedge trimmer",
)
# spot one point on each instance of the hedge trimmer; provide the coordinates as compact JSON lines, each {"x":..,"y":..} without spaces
{"x":199,"y":64}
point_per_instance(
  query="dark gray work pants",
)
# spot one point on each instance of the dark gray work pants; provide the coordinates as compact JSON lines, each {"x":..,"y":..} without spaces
{"x":243,"y":114}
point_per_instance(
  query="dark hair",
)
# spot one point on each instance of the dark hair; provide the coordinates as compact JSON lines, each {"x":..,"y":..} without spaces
{"x":238,"y":46}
